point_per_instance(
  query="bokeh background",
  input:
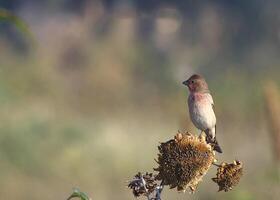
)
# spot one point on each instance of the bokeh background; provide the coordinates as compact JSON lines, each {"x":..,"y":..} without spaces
{"x":88,"y":94}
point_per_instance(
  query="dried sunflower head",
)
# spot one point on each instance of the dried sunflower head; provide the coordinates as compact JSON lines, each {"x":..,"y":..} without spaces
{"x":142,"y":184}
{"x":228,"y":175}
{"x":183,"y":161}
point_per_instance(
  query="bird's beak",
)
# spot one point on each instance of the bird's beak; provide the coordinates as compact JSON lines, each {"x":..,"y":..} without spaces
{"x":186,"y":82}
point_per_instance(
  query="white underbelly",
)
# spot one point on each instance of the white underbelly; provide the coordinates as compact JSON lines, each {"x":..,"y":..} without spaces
{"x":203,"y":117}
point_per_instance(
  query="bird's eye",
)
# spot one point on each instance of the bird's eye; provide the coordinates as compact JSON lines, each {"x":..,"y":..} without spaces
{"x":192,"y":81}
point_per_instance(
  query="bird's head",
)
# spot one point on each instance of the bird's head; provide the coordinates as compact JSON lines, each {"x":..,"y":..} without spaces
{"x":196,"y":83}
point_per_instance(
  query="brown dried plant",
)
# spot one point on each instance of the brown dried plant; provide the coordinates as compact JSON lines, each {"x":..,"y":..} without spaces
{"x":143,"y":185}
{"x":272,"y":98}
{"x":228,"y":175}
{"x":183,"y":161}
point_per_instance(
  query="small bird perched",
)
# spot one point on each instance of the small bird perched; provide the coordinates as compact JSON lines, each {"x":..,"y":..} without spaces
{"x":201,"y":109}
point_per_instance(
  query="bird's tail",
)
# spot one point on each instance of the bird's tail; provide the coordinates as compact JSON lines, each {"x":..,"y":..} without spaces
{"x":213,"y":141}
{"x":216,"y":146}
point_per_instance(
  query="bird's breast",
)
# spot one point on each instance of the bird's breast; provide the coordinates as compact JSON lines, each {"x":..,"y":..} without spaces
{"x":201,"y":111}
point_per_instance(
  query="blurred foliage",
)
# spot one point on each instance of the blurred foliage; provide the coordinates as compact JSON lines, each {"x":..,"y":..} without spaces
{"x":8,"y":17}
{"x":78,"y":194}
{"x":242,"y":195}
{"x":89,"y":104}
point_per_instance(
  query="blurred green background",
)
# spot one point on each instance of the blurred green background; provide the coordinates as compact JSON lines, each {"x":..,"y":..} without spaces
{"x":87,"y":103}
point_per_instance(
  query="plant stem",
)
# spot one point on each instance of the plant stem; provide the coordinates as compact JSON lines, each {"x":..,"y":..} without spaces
{"x":216,"y":165}
{"x":144,"y":185}
{"x":159,"y":190}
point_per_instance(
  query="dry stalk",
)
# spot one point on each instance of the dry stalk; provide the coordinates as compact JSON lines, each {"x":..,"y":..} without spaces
{"x":272,"y":99}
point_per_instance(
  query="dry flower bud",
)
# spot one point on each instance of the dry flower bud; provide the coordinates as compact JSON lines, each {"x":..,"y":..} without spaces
{"x":143,"y":184}
{"x":228,"y":175}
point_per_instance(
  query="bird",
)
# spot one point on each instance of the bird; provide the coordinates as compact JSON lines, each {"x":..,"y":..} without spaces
{"x":201,"y":109}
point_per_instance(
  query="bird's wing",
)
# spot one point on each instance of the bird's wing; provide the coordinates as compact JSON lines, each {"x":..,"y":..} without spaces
{"x":210,"y":99}
{"x":209,"y":96}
